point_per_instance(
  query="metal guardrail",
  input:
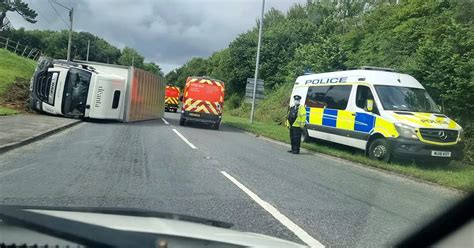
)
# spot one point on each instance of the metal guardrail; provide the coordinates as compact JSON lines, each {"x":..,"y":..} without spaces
{"x":22,"y":50}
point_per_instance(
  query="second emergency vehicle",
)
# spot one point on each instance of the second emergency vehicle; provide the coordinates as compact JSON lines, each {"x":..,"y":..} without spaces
{"x":172,"y":98}
{"x":386,"y":113}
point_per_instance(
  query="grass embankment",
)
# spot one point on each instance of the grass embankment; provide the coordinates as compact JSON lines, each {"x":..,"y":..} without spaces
{"x":7,"y":111}
{"x":15,"y":74}
{"x":456,"y":175}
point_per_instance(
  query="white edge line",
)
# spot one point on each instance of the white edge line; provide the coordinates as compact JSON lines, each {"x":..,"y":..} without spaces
{"x":184,"y":139}
{"x":298,"y":231}
{"x":164,"y":120}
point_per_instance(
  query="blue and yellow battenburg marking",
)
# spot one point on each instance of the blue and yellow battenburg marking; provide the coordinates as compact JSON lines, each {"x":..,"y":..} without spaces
{"x":346,"y":120}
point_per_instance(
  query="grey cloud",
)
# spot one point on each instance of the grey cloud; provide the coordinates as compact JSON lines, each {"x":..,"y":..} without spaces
{"x":168,"y":32}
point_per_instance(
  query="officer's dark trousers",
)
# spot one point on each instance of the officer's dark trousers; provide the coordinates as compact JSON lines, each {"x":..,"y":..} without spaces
{"x":295,"y":137}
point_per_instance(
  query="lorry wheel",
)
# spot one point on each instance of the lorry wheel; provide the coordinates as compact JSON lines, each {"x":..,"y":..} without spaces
{"x":175,"y":110}
{"x":379,"y":150}
{"x":182,"y":121}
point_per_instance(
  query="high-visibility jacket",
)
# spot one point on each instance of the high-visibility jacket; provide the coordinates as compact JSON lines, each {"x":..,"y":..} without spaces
{"x":300,"y":119}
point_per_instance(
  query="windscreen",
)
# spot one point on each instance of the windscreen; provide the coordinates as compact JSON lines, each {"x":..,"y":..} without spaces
{"x":76,"y":89}
{"x":406,"y":99}
{"x":205,"y":92}
{"x":191,"y":153}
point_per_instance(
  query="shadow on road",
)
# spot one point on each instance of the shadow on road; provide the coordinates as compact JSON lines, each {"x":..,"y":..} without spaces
{"x":154,"y":122}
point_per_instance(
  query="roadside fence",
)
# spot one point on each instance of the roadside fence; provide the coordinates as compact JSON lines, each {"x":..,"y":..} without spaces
{"x":22,"y":50}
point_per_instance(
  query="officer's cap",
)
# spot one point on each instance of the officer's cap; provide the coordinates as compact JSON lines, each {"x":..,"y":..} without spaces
{"x":296,"y":97}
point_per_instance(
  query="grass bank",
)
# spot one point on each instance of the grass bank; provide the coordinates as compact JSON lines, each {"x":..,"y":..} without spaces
{"x":456,"y":175}
{"x":15,"y":73}
{"x":7,"y":111}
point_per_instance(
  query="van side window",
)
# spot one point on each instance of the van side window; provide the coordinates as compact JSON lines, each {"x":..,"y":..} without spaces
{"x":316,"y":97}
{"x":337,"y":96}
{"x":363,"y":94}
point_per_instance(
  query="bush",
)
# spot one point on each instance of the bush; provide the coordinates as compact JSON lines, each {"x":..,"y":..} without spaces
{"x":274,"y":107}
{"x":242,"y":111}
{"x":232,"y":102}
{"x":469,"y":142}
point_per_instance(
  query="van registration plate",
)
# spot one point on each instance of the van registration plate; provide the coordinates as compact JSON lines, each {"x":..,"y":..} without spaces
{"x":440,"y":154}
{"x":194,"y":114}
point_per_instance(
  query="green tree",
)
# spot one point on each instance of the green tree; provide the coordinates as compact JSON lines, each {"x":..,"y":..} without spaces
{"x":194,"y":67}
{"x":19,"y":7}
{"x":131,"y":57}
{"x":218,"y":65}
{"x":172,"y":76}
{"x":153,"y":68}
{"x":323,"y":55}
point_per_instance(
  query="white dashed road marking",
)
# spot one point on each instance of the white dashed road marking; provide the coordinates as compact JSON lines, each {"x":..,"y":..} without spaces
{"x":184,"y":139}
{"x":298,"y":231}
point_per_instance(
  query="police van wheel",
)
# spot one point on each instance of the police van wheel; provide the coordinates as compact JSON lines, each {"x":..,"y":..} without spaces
{"x":379,"y":150}
{"x":305,"y":136}
{"x":182,"y":121}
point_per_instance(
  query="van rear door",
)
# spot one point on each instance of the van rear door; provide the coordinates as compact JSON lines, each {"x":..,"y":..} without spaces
{"x":204,"y":97}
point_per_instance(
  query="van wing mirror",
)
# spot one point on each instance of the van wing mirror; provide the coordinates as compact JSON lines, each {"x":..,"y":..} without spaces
{"x":370,"y":105}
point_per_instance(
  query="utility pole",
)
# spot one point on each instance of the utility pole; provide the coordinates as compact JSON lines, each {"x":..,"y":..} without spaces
{"x":71,"y":17}
{"x":257,"y":62}
{"x":71,"y":14}
{"x":88,"y":45}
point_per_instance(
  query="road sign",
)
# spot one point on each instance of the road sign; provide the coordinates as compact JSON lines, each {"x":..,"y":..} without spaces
{"x":259,"y":94}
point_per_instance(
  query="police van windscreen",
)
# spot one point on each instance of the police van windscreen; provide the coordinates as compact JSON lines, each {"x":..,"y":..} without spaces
{"x":406,"y":99}
{"x":205,"y":92}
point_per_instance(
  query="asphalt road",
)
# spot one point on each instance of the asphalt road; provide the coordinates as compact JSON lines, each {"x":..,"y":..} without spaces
{"x":148,"y":165}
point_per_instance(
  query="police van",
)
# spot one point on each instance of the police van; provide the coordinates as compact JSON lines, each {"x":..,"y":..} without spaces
{"x":385,"y":113}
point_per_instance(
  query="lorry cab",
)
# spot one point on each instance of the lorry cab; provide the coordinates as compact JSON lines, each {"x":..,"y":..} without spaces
{"x":172,"y":98}
{"x":203,"y":100}
{"x":383,"y":112}
{"x":76,"y":90}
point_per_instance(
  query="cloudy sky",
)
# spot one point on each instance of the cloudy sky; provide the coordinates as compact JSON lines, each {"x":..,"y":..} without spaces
{"x":168,"y":32}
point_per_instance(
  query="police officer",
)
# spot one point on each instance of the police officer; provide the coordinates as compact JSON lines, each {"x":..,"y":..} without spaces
{"x":296,"y":121}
